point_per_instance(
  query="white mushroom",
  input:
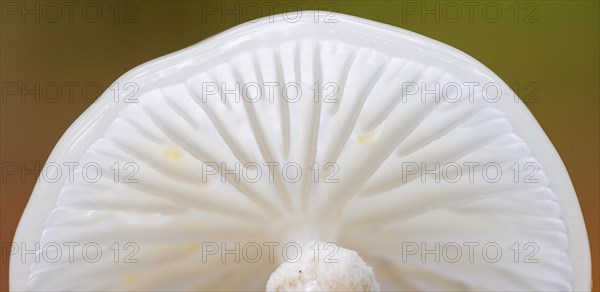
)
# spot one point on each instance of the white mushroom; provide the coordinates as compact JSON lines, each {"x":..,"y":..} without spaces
{"x":418,"y":165}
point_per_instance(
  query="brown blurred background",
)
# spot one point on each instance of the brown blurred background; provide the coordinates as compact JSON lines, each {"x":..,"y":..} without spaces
{"x":56,"y":57}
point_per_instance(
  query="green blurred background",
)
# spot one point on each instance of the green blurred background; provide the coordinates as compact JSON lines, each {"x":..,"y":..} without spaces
{"x":548,"y":51}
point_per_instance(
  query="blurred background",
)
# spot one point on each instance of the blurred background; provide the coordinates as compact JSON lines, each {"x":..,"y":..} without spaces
{"x":57,"y":57}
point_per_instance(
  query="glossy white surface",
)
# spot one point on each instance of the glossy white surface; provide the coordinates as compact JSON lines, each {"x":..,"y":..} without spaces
{"x":373,"y":128}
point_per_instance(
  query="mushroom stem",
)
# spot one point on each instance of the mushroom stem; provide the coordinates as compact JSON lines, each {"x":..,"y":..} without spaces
{"x":323,"y":267}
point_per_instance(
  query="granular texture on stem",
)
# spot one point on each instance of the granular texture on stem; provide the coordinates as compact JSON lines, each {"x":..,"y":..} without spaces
{"x":324,"y":267}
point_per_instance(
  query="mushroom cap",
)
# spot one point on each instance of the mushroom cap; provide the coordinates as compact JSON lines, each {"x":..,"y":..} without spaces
{"x":379,"y":153}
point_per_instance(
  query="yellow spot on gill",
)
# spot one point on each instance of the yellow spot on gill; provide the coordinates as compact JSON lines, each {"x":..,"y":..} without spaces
{"x":130,"y":278}
{"x":172,"y":154}
{"x":365,"y":138}
{"x":193,"y":246}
